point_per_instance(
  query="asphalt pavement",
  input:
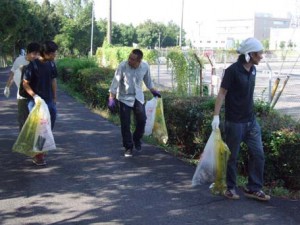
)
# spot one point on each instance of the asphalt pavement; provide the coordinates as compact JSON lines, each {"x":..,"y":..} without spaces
{"x":88,"y":181}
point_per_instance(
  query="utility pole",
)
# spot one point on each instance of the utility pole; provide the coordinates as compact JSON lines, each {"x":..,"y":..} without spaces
{"x":159,"y":34}
{"x":109,"y":22}
{"x":92,"y":30}
{"x":199,"y":26}
{"x":181,"y":25}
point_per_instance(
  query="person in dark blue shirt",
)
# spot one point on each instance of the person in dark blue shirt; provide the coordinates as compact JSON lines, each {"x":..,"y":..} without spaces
{"x":237,"y":89}
{"x":39,"y":81}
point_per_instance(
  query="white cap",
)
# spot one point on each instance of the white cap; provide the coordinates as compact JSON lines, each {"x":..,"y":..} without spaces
{"x":250,"y":45}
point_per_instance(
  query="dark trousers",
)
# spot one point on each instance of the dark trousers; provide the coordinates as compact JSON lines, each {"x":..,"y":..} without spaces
{"x":140,"y":122}
{"x":250,"y":134}
{"x":23,"y":112}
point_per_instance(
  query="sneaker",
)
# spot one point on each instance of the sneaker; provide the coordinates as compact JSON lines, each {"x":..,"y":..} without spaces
{"x":39,"y":160}
{"x":128,"y":152}
{"x":258,"y":195}
{"x":231,"y":194}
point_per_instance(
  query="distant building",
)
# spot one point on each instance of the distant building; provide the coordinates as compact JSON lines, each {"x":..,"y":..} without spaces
{"x":231,"y":32}
{"x":263,"y":23}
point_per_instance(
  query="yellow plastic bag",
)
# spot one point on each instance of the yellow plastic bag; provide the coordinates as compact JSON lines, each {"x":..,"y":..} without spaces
{"x":212,"y":165}
{"x":159,"y":131}
{"x":36,"y":135}
{"x":221,"y":156}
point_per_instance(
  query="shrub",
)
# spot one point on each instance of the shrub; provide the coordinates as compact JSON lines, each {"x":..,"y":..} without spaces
{"x":112,"y":56}
{"x":68,"y":67}
{"x":188,"y":122}
{"x":94,"y":84}
{"x":85,"y":77}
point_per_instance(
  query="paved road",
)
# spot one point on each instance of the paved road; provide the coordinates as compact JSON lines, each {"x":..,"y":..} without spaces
{"x":88,"y":181}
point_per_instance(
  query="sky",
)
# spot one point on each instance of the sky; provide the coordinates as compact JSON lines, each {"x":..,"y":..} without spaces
{"x":197,"y":14}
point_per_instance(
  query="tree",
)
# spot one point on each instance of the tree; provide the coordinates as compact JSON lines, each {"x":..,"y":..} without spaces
{"x":25,"y":21}
{"x":266,"y":44}
{"x":128,"y":35}
{"x":148,"y":34}
{"x":171,"y":32}
{"x":51,"y":22}
{"x":102,"y":28}
{"x":11,"y":23}
{"x":282,"y":45}
{"x":75,"y":34}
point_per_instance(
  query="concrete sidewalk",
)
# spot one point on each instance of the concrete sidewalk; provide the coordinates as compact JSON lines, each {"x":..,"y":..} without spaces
{"x":88,"y":181}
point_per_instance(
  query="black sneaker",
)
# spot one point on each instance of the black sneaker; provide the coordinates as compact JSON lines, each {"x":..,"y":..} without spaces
{"x":128,"y":152}
{"x":258,"y":195}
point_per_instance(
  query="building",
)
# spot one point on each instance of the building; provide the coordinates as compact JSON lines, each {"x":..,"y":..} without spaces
{"x":230,"y":32}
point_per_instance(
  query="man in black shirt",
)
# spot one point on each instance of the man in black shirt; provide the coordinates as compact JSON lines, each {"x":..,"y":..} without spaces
{"x":237,"y":89}
{"x":40,"y":82}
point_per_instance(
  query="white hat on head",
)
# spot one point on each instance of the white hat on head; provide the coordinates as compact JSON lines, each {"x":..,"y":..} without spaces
{"x":250,"y":45}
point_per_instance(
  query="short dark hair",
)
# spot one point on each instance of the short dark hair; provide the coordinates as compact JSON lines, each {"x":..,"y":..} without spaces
{"x":33,"y":47}
{"x":138,"y":52}
{"x":48,"y":47}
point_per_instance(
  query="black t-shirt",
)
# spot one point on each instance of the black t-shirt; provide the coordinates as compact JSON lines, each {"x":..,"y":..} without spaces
{"x":40,"y":78}
{"x":239,"y":84}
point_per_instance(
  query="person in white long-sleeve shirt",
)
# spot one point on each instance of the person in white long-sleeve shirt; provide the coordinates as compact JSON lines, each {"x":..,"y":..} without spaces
{"x":127,"y":87}
{"x":33,"y":52}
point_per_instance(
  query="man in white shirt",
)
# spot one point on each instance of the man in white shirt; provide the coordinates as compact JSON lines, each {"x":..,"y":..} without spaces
{"x":127,"y":88}
{"x":15,"y":76}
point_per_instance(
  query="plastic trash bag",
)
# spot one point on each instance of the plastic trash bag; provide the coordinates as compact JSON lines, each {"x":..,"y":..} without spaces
{"x":150,"y":109}
{"x":212,"y":165}
{"x":159,"y":131}
{"x":36,"y":135}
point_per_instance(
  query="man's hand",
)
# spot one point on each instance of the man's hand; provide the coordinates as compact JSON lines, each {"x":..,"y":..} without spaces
{"x":6,"y":91}
{"x":216,"y":122}
{"x":111,"y":103}
{"x":156,"y":93}
{"x":37,"y":99}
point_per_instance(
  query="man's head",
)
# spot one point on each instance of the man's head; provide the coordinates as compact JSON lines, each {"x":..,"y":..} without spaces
{"x":135,"y":58}
{"x":33,"y":51}
{"x":48,"y":50}
{"x":252,"y":50}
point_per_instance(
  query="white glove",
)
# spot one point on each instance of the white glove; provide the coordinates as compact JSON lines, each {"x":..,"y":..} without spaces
{"x":6,"y":92}
{"x":37,"y":99}
{"x":216,"y":122}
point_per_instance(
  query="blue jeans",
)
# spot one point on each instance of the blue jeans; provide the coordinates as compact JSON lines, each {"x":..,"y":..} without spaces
{"x":250,"y":134}
{"x":52,"y":110}
{"x":140,"y":122}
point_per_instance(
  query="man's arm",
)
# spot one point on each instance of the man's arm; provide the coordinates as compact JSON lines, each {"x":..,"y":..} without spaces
{"x":219,"y":101}
{"x":10,"y":79}
{"x":27,"y":88}
{"x":115,"y":83}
